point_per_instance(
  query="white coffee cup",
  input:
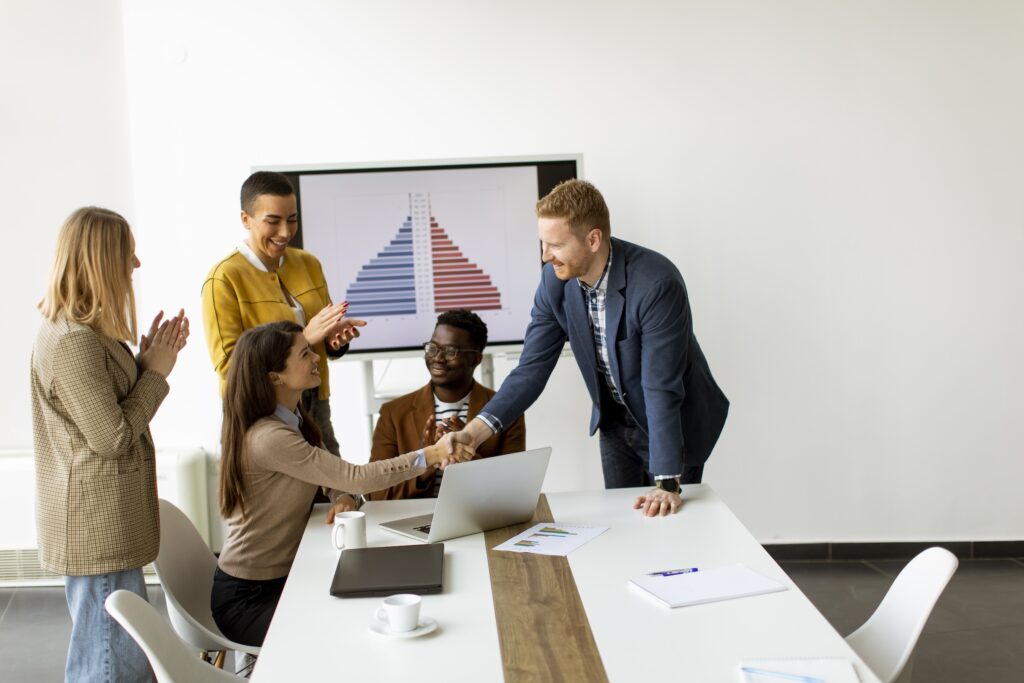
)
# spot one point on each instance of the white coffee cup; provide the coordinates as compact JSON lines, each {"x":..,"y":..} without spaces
{"x":401,"y":612}
{"x":349,"y":530}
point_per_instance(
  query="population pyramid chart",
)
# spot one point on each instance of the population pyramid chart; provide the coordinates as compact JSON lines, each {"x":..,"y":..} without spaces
{"x":421,"y":270}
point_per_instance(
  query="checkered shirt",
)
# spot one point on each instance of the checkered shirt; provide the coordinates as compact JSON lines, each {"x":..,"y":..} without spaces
{"x":596,"y":298}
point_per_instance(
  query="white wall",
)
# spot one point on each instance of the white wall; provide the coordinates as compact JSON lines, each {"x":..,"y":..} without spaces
{"x":840,"y":184}
{"x":63,"y":144}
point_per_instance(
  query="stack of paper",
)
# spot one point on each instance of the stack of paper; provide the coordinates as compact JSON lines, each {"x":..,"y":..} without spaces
{"x":696,"y":587}
{"x":822,"y":670}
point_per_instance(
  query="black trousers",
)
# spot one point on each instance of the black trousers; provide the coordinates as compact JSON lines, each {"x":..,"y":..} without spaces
{"x":242,"y":609}
{"x":625,"y":449}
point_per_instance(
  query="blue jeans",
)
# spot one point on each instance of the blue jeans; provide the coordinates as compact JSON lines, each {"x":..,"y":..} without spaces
{"x":625,"y":455}
{"x":100,"y":650}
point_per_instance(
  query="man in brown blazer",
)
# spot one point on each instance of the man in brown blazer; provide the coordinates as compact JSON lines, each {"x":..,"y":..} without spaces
{"x":446,"y":403}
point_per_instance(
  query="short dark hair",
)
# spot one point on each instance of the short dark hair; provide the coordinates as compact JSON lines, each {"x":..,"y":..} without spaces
{"x":264,"y":182}
{"x":469,"y":321}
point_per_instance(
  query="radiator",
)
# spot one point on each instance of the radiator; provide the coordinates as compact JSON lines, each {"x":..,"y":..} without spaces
{"x":182,"y":478}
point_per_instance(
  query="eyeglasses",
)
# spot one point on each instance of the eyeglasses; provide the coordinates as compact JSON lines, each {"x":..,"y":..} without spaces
{"x":430,"y":349}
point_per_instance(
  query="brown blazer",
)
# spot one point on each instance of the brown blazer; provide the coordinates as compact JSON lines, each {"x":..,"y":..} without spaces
{"x":400,"y":430}
{"x":96,"y":501}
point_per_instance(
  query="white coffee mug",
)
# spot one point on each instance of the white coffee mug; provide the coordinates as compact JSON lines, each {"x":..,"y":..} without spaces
{"x":401,"y":612}
{"x":349,"y":530}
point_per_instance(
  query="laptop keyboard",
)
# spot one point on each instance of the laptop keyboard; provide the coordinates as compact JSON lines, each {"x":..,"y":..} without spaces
{"x":425,"y":528}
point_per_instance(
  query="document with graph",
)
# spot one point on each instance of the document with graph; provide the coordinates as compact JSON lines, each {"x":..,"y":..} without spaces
{"x":548,"y":538}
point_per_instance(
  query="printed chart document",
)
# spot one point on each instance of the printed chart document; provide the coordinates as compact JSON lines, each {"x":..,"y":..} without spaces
{"x":697,"y":587}
{"x":823,"y":670}
{"x":548,"y":538}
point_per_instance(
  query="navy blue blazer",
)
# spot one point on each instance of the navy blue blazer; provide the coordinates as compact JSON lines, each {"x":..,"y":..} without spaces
{"x":654,"y":358}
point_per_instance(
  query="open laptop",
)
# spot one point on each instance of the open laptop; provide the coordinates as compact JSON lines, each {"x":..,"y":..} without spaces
{"x":480,"y":495}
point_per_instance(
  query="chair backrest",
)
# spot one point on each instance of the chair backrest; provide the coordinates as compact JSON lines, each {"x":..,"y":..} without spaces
{"x":185,"y":567}
{"x":170,"y":658}
{"x":886,"y":640}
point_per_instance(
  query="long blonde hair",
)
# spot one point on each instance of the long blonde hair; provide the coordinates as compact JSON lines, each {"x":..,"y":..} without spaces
{"x":91,"y":280}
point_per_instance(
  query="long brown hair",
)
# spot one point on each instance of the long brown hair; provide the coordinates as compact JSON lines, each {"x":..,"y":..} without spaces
{"x":91,"y":279}
{"x":248,"y":397}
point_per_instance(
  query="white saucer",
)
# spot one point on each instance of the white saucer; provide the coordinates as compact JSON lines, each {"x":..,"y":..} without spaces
{"x":426,"y":625}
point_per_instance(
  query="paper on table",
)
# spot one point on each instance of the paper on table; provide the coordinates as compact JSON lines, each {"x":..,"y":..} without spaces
{"x":827,"y":670}
{"x":695,"y":588}
{"x":548,"y":538}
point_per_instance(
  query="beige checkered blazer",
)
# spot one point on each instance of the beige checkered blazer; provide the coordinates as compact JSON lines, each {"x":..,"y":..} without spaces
{"x":96,"y":502}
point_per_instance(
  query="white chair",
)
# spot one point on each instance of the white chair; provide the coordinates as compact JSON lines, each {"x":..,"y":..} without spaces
{"x":170,"y":658}
{"x":185,"y":567}
{"x":886,"y":640}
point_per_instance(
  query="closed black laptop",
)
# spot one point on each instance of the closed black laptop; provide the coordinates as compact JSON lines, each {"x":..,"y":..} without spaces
{"x":366,"y":572}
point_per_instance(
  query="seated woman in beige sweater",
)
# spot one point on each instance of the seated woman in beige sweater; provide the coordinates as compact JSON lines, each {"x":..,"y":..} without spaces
{"x":272,"y":463}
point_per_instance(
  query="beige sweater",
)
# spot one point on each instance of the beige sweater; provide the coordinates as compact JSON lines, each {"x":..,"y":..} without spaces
{"x":282,"y":473}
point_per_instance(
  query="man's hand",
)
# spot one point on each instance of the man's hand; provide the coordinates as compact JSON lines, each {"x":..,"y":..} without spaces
{"x":658,"y":502}
{"x":450,"y":424}
{"x":430,"y":434}
{"x":345,"y":504}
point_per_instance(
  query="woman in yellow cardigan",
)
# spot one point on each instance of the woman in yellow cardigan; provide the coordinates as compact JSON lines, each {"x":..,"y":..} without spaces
{"x":265,"y":280}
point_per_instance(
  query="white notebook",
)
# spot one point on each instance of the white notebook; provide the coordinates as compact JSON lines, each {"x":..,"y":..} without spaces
{"x":698,"y":587}
{"x":826,"y":670}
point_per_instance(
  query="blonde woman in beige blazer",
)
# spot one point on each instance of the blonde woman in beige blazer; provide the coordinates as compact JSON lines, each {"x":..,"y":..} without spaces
{"x":92,"y":401}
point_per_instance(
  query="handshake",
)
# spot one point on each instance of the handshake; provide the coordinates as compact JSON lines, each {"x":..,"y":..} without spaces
{"x":451,"y":448}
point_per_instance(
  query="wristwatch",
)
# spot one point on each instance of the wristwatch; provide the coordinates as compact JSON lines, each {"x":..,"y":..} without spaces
{"x":670,"y":484}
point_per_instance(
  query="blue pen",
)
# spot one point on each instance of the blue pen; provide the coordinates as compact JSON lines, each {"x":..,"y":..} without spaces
{"x":780,"y":675}
{"x":673,"y":572}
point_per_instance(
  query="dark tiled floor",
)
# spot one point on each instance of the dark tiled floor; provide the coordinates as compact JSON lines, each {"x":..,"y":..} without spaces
{"x":34,"y":630}
{"x":975,"y":633}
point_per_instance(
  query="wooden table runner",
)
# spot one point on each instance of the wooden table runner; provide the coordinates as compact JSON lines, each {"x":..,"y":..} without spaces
{"x":542,"y":627}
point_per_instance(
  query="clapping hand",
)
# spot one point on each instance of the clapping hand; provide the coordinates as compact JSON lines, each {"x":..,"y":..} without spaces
{"x":147,"y":339}
{"x":345,"y":331}
{"x":324,"y":323}
{"x":432,"y":430}
{"x":450,"y":424}
{"x":158,"y":350}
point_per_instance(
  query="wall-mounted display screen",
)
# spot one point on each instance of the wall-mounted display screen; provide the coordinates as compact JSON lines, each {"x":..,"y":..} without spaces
{"x":403,"y":243}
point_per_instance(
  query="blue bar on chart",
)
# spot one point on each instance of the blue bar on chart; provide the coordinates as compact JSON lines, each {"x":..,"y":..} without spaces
{"x":386,"y":285}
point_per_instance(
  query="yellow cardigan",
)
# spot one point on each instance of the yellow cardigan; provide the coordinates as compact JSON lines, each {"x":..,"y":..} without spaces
{"x":237,"y":296}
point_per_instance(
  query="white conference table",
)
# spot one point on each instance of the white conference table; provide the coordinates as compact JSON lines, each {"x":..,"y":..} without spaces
{"x":315,"y":636}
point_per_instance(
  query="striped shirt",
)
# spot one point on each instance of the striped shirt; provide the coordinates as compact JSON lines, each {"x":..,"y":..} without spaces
{"x":443,"y":411}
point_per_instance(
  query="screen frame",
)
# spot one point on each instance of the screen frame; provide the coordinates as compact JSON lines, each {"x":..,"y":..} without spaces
{"x":294,"y":170}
